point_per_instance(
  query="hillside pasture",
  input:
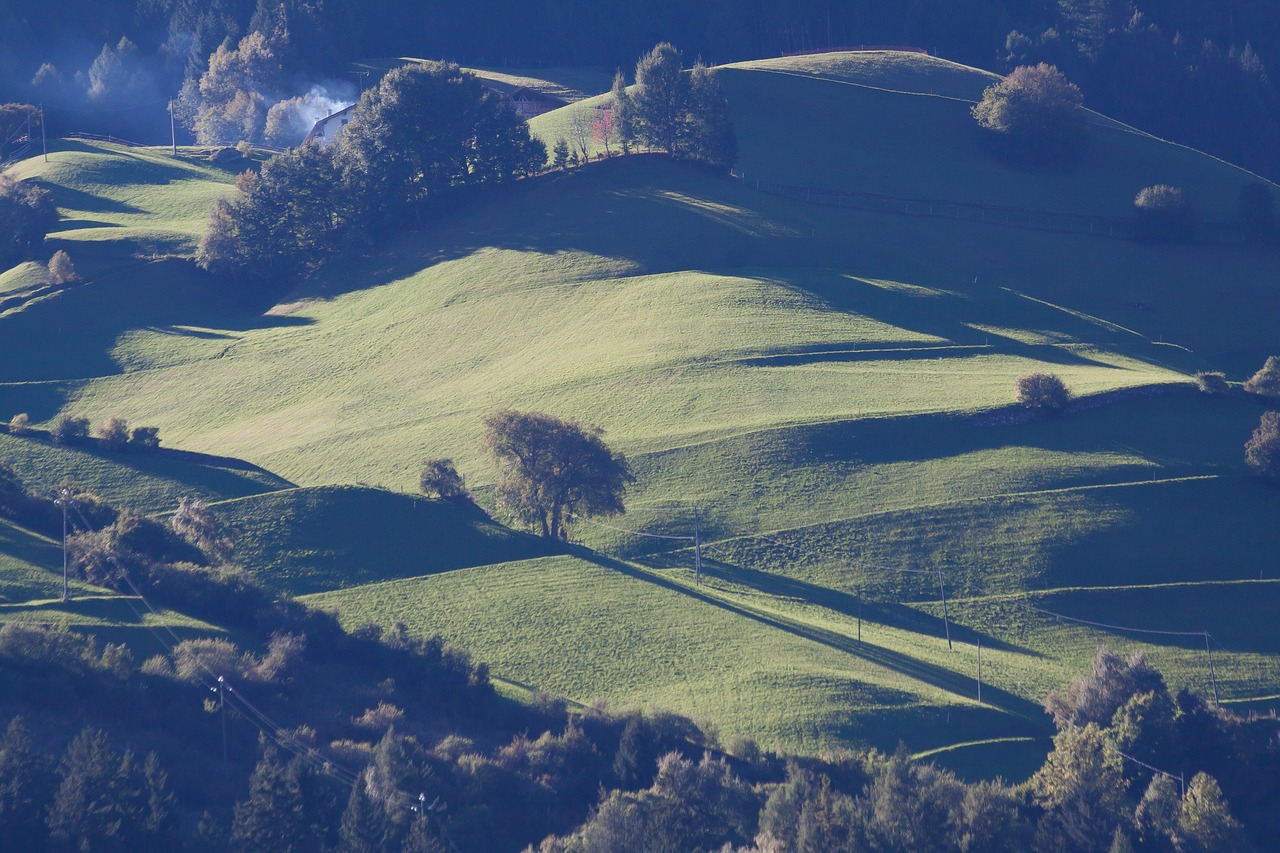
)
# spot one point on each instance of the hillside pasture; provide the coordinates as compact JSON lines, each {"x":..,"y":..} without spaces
{"x":324,"y":538}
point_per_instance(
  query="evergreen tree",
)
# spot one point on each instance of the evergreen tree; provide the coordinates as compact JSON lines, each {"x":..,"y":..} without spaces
{"x":363,"y":829}
{"x":24,"y":790}
{"x":99,"y":803}
{"x":272,"y":817}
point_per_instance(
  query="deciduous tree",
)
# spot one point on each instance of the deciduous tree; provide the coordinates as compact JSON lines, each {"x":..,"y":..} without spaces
{"x":1034,"y":115}
{"x":1262,"y":451}
{"x":551,"y":469}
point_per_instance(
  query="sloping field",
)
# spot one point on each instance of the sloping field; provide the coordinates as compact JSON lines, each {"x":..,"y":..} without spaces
{"x":329,"y":537}
{"x":554,"y":624}
{"x":831,"y":390}
{"x":147,"y":483}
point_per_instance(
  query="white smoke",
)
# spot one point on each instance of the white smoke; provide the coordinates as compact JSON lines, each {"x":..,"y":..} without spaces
{"x":289,"y":121}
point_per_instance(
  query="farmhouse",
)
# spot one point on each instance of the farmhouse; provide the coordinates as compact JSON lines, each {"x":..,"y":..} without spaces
{"x":530,"y":102}
{"x":326,"y":128}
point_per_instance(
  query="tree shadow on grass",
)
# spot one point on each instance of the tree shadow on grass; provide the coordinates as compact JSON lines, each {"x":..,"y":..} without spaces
{"x":936,"y":676}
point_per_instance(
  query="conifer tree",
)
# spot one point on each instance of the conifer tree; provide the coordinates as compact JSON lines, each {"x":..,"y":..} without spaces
{"x":24,"y":790}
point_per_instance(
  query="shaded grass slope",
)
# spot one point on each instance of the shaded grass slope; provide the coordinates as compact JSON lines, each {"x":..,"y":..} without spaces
{"x":317,"y":539}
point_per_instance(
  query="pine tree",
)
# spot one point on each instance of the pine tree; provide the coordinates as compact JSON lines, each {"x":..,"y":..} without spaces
{"x":24,"y":790}
{"x":272,"y":817}
{"x":97,"y":804}
{"x":363,"y":827}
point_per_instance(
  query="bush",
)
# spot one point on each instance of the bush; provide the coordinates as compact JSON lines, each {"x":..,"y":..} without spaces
{"x":61,"y":270}
{"x":69,"y":430}
{"x":19,"y":424}
{"x":1163,"y":214}
{"x":1043,"y":392}
{"x":1266,"y":382}
{"x":1262,"y":451}
{"x":27,"y":213}
{"x":114,"y":433}
{"x":1212,"y":383}
{"x":1034,"y":115}
{"x":145,"y":439}
{"x":439,"y":479}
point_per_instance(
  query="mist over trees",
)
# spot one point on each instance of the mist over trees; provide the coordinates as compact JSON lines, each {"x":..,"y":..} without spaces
{"x":1199,"y":72}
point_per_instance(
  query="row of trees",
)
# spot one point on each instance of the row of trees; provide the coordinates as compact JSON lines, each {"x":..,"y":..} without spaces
{"x":425,"y":131}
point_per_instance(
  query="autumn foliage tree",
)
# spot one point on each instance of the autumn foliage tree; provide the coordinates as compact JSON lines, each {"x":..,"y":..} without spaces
{"x":553,"y":469}
{"x":1034,"y":115}
{"x":1262,"y":451}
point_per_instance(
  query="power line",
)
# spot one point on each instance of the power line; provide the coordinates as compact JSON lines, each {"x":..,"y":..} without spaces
{"x":278,"y":734}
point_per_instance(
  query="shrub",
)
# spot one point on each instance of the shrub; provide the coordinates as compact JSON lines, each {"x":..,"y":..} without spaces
{"x":27,"y":213}
{"x":1043,"y":392}
{"x":114,"y":433}
{"x":1034,"y":115}
{"x":145,"y":439}
{"x":1262,"y":451}
{"x":69,"y":430}
{"x":19,"y":424}
{"x":439,"y":479}
{"x":1266,"y":382}
{"x":1212,"y":383}
{"x":1163,"y":214}
{"x":61,"y":270}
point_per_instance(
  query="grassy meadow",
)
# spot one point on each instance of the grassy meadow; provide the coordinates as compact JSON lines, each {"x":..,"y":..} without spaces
{"x":825,"y":395}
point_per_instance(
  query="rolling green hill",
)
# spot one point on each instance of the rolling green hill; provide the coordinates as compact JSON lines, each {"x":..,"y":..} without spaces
{"x":832,"y":389}
{"x":329,"y":537}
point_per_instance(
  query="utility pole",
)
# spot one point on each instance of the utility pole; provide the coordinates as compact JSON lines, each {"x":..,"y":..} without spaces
{"x":979,"y":670}
{"x":1212,"y":675}
{"x":222,"y":712}
{"x":66,"y":592}
{"x":946,"y":622}
{"x":44,"y":142}
{"x":173,"y":132}
{"x":697,"y":548}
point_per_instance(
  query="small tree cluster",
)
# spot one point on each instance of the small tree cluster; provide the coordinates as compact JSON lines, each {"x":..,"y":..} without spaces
{"x":1212,"y":383}
{"x":1262,"y":451}
{"x":1043,"y":392}
{"x":27,"y":213}
{"x":1266,"y":382}
{"x":1034,"y":115}
{"x":685,"y":115}
{"x":1163,"y":214}
{"x":19,"y":424}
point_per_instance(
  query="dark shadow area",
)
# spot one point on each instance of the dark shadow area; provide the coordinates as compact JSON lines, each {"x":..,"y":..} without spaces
{"x":79,"y":200}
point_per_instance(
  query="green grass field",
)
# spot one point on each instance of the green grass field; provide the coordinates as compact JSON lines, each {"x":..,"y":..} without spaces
{"x":832,"y":389}
{"x":329,"y":537}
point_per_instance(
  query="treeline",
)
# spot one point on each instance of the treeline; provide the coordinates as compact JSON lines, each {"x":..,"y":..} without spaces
{"x":1195,"y":71}
{"x":401,"y":777}
{"x":424,"y":132}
